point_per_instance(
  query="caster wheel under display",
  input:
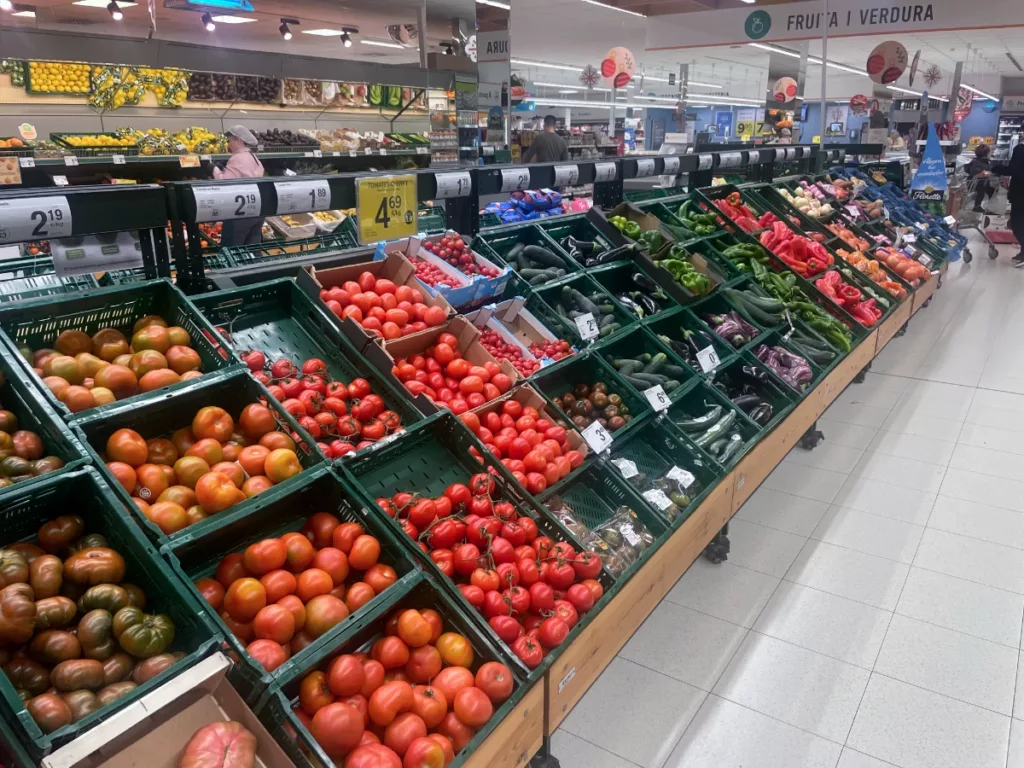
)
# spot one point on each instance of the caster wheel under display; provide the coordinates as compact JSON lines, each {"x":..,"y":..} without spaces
{"x":810,"y":439}
{"x":859,"y":378}
{"x":545,"y":761}
{"x":993,"y":252}
{"x":968,"y":257}
{"x":718,"y":550}
{"x":903,"y":330}
{"x":927,"y":302}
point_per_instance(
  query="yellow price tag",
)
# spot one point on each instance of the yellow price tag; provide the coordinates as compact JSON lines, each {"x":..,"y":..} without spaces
{"x":188,"y":161}
{"x":386,"y":207}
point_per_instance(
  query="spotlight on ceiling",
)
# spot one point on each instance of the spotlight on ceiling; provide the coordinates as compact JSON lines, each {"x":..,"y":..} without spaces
{"x":115,"y":11}
{"x":6,"y":5}
{"x":346,"y":35}
{"x":285,"y":31}
{"x":207,"y":20}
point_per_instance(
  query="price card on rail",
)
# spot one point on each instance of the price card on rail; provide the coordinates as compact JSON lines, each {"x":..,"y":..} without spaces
{"x":302,"y":196}
{"x":657,"y":398}
{"x":780,"y":153}
{"x":671,"y":165}
{"x":950,"y":220}
{"x":386,"y":207}
{"x":644,"y":167}
{"x":791,"y":153}
{"x":95,"y":253}
{"x":70,"y":161}
{"x":514,"y":179}
{"x":225,"y":202}
{"x":704,"y":162}
{"x":587,"y":326}
{"x":34,"y":218}
{"x":708,"y":359}
{"x":117,"y":159}
{"x":567,"y":175}
{"x":604,"y":172}
{"x":27,"y":162}
{"x":456,"y":184}
{"x":730,"y":160}
{"x":925,"y":259}
{"x":597,"y":437}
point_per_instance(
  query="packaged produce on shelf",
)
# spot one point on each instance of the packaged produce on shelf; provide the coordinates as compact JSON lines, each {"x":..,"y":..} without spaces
{"x":809,"y":201}
{"x":501,"y":349}
{"x":211,"y":86}
{"x":804,"y":255}
{"x":116,"y":87}
{"x":736,"y":209}
{"x":527,"y":205}
{"x":618,"y":542}
{"x":280,"y":594}
{"x":13,"y":143}
{"x":196,"y":140}
{"x":832,"y":285}
{"x":791,"y":368}
{"x":351,"y":95}
{"x":291,"y":92}
{"x":676,"y":262}
{"x":873,"y":270}
{"x":89,"y":636}
{"x":510,"y":331}
{"x":454,"y":249}
{"x":587,"y":403}
{"x":84,"y":371}
{"x":714,"y":426}
{"x":170,"y":86}
{"x":58,"y":77}
{"x":678,"y":484}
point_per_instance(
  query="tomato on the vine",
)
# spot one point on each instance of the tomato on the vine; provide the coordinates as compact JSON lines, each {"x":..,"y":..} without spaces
{"x":505,"y":627}
{"x":553,"y":630}
{"x":528,"y":651}
{"x":587,"y":565}
{"x":481,"y":484}
{"x":458,"y":494}
{"x":567,"y":612}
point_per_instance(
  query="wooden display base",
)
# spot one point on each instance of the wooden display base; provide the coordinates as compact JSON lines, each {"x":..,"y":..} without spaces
{"x":583,"y":662}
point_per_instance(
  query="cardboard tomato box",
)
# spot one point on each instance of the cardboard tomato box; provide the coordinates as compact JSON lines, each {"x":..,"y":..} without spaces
{"x":412,"y":247}
{"x":383,"y":356}
{"x":516,"y":324}
{"x":395,"y":268}
{"x":527,"y":395}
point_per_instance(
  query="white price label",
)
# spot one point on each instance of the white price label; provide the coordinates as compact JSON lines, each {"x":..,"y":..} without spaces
{"x":604,"y":172}
{"x":854,"y":212}
{"x":302,"y":196}
{"x":704,"y":162}
{"x":514,"y":179}
{"x":382,"y":152}
{"x":34,"y":218}
{"x":630,"y":536}
{"x":422,"y":151}
{"x":681,"y":476}
{"x":27,"y":162}
{"x":206,"y":158}
{"x":791,"y":153}
{"x":626,"y":467}
{"x":307,"y":154}
{"x":487,"y":150}
{"x":597,"y":437}
{"x":70,"y":161}
{"x":645,"y":167}
{"x":920,"y":225}
{"x":225,"y":202}
{"x":456,"y":184}
{"x":587,"y":326}
{"x":885,"y":212}
{"x":367,"y":151}
{"x":925,"y":259}
{"x":318,"y":153}
{"x":910,"y":238}
{"x":671,"y":165}
{"x":708,"y":359}
{"x":567,"y":175}
{"x":658,"y":498}
{"x":60,"y":181}
{"x":657,"y":398}
{"x":730,"y":160}
{"x":290,"y":172}
{"x":950,"y":220}
{"x":780,"y":153}
{"x":353,"y":153}
{"x":118,"y":159}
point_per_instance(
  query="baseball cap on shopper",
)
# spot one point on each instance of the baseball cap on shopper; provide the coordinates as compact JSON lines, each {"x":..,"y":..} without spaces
{"x":243,"y":134}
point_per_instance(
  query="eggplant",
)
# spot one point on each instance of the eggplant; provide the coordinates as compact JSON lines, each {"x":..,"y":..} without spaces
{"x":746,"y":403}
{"x":651,"y":307}
{"x":645,"y":283}
{"x":762,"y":414}
{"x":632,"y":306}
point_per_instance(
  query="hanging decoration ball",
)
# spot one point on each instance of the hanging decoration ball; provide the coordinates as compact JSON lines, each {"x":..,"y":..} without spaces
{"x":785,"y":90}
{"x":589,"y":76}
{"x":887,"y":62}
{"x":618,"y":67}
{"x":859,"y":105}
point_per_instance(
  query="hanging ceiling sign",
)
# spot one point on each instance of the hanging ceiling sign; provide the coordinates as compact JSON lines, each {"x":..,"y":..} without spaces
{"x":964,"y":105}
{"x":887,"y":62}
{"x":846,"y":18}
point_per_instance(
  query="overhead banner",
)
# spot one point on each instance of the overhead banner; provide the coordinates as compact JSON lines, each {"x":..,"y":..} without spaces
{"x":846,"y":18}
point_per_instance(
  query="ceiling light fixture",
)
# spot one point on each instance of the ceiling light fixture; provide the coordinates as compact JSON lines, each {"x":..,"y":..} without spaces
{"x":225,"y":19}
{"x":102,"y":3}
{"x":783,"y":51}
{"x":115,"y":11}
{"x":972,"y":89}
{"x":381,"y":44}
{"x":749,"y":2}
{"x":495,"y":4}
{"x":6,"y":5}
{"x":346,"y":35}
{"x":703,"y":85}
{"x":569,"y":90}
{"x":526,"y":63}
{"x":207,"y":20}
{"x":322,"y":32}
{"x":25,"y":13}
{"x":615,"y":8}
{"x":286,"y":32}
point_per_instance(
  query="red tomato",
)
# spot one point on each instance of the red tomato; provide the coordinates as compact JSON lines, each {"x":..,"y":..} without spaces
{"x":581,"y":597}
{"x":565,"y":611}
{"x":528,"y":651}
{"x":587,"y":565}
{"x":553,"y":630}
{"x":505,"y":627}
{"x":373,"y":756}
{"x":424,"y":753}
{"x":389,"y":701}
{"x":450,"y":681}
{"x":495,"y":680}
{"x":337,"y":728}
{"x":473,"y":707}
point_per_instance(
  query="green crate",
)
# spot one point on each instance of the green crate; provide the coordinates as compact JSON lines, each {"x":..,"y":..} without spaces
{"x":617,"y":278}
{"x":657,"y":449}
{"x":83,"y":493}
{"x":281,"y":321}
{"x":718,"y":304}
{"x":588,"y":368}
{"x":639,"y":195}
{"x":640,"y":341}
{"x":193,"y":556}
{"x":420,"y":592}
{"x":37,"y":324}
{"x":34,"y":414}
{"x":777,"y":338}
{"x":664,"y":211}
{"x":551,"y":295}
{"x":39,"y":285}
{"x":341,"y":239}
{"x":427,"y":459}
{"x":496,"y":245}
{"x":672,"y":324}
{"x":488,"y":220}
{"x":781,"y":397}
{"x":578,"y":227}
{"x":232,"y":391}
{"x":594,"y":496}
{"x":697,"y":401}
{"x":12,"y":754}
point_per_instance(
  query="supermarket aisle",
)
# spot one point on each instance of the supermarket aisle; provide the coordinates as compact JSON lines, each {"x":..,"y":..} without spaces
{"x":870,"y":612}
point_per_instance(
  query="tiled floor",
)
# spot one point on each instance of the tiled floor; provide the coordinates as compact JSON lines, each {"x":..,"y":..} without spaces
{"x":870,"y":612}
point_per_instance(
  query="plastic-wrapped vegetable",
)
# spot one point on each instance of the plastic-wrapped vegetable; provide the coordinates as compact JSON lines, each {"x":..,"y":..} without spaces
{"x":732,"y":327}
{"x":618,"y":542}
{"x":792,"y":369}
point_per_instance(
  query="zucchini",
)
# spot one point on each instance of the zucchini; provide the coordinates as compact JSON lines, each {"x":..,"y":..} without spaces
{"x":606,"y":320}
{"x":656,"y":362}
{"x":608,"y":330}
{"x":675,"y":371}
{"x":700,"y":423}
{"x":731,"y":448}
{"x":717,"y":446}
{"x":548,"y":274}
{"x":543,"y":256}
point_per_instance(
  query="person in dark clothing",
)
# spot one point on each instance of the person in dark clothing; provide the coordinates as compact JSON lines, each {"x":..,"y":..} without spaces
{"x":981,"y":166}
{"x":1015,"y":170}
{"x":547,"y":147}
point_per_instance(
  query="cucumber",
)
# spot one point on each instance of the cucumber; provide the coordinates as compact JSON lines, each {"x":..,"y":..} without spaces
{"x":514,"y":252}
{"x":627,"y":367}
{"x":675,"y":371}
{"x":656,"y":362}
{"x":548,"y":274}
{"x":717,"y":446}
{"x":731,"y":448}
{"x":608,"y":330}
{"x":543,"y":255}
{"x":538,"y":279}
{"x":606,"y":320}
{"x":719,"y":429}
{"x":772,"y":306}
{"x":762,"y":317}
{"x":700,"y":423}
{"x":651,"y":378}
{"x":671,"y":384}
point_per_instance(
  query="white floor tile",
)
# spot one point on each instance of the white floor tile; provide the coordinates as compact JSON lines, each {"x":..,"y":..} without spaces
{"x":909,"y":446}
{"x":854,"y":575}
{"x":1018,"y":693}
{"x":809,"y":482}
{"x":707,"y":644}
{"x":726,"y":735}
{"x":932,"y":398}
{"x":914,"y":728}
{"x":782,"y":511}
{"x":794,"y":685}
{"x":1009,"y":401}
{"x":1006,"y":440}
{"x":978,"y":521}
{"x":923,"y":425}
{"x":908,"y":473}
{"x":974,"y":609}
{"x":857,"y":413}
{"x":987,"y":461}
{"x":886,"y":499}
{"x":1002,"y":418}
{"x":988,"y":489}
{"x":872,"y":534}
{"x":843,"y":433}
{"x":947,"y":662}
{"x":725,"y":591}
{"x":644,"y":732}
{"x":1016,"y":757}
{"x":832,"y":625}
{"x":978,"y":561}
{"x":831,"y":456}
{"x":851,"y":758}
{"x":868,"y":393}
{"x":574,"y":752}
{"x":762,"y":549}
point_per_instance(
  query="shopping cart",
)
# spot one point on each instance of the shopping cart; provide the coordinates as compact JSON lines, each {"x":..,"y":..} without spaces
{"x":967,"y":218}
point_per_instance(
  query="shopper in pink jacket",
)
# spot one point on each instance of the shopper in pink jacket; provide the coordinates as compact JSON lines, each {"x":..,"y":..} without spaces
{"x":243,"y":164}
